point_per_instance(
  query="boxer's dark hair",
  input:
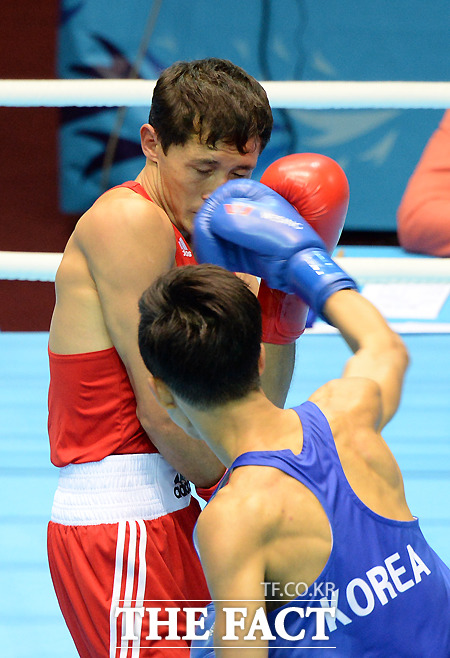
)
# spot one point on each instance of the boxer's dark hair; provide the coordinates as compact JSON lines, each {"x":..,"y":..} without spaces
{"x":200,"y":333}
{"x":213,"y":99}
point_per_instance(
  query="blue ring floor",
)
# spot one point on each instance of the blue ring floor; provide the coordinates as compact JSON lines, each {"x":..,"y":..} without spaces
{"x":30,"y":620}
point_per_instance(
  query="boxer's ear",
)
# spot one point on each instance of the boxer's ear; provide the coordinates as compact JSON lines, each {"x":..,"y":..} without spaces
{"x":262,"y":360}
{"x":150,"y":142}
{"x":161,"y":392}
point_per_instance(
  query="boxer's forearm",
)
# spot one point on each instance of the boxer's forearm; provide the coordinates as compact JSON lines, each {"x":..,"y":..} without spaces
{"x":379,"y":353}
{"x":277,"y":375}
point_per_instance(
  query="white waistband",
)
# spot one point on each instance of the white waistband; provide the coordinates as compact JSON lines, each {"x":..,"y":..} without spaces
{"x":118,"y":488}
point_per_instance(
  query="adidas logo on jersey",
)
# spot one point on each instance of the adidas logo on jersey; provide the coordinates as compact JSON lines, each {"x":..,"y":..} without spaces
{"x":187,"y":253}
{"x":182,"y":487}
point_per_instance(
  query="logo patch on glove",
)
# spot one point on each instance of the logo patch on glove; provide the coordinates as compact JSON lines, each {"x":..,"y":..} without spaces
{"x":279,"y":219}
{"x":238,"y":209}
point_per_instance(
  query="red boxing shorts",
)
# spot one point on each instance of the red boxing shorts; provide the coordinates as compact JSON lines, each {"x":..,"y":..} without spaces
{"x":120,"y":537}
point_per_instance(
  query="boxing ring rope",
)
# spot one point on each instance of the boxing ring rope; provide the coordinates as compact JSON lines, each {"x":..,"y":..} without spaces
{"x":307,"y":95}
{"x":42,"y":266}
{"x":289,"y":94}
{"x":311,"y":95}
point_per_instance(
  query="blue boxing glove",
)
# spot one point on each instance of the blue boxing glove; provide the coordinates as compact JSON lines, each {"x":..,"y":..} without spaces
{"x":205,"y":648}
{"x":245,"y":226}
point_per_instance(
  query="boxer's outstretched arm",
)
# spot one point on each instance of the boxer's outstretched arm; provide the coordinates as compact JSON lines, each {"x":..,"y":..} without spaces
{"x":379,"y":354}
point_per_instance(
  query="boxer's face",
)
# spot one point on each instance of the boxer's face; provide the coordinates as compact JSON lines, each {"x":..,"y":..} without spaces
{"x":189,"y":174}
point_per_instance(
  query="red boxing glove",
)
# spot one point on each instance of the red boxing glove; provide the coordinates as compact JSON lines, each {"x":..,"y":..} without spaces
{"x":318,"y":189}
{"x":283,"y":315}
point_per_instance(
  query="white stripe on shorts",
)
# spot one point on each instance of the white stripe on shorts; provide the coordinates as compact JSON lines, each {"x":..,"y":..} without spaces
{"x":132,"y":571}
{"x":116,"y":588}
{"x":142,"y":576}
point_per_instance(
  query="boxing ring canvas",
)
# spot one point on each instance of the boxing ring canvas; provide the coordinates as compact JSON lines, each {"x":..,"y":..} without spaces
{"x":419,"y":437}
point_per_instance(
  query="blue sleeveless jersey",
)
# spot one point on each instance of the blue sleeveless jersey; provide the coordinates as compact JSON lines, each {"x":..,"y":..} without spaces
{"x":389,"y":589}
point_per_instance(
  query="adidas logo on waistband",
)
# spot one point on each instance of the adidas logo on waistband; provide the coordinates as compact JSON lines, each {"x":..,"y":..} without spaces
{"x":182,"y":487}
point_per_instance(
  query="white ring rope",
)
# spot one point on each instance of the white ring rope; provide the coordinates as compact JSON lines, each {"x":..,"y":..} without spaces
{"x":295,"y":94}
{"x":28,"y":266}
{"x":41,"y":266}
{"x":311,"y":95}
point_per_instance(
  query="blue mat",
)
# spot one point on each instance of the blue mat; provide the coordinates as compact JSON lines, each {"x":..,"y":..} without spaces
{"x":30,"y":620}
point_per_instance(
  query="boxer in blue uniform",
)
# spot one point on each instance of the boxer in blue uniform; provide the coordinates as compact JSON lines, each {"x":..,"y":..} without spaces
{"x":308,"y":541}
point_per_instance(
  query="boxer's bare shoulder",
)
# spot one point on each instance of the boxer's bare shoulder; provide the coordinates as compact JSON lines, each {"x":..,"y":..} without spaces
{"x":117,"y":248}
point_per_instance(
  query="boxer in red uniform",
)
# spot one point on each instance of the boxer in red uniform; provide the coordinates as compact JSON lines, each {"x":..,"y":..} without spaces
{"x":122,"y":519}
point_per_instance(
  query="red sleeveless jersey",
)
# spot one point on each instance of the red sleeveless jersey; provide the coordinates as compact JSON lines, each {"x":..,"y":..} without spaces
{"x":92,"y":407}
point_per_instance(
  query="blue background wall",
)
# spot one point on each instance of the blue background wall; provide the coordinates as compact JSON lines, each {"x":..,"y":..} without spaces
{"x":271,"y":39}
